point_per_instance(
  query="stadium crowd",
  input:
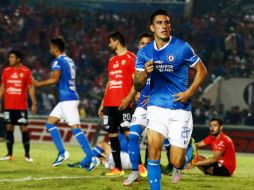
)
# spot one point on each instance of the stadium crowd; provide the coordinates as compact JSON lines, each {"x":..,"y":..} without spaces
{"x":227,"y":54}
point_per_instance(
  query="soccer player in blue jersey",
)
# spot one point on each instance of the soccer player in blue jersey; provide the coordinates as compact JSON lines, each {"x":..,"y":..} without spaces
{"x":138,"y":124}
{"x":166,"y":61}
{"x":64,"y":75}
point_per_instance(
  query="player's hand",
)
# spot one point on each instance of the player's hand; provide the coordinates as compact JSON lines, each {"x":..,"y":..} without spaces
{"x":100,"y":111}
{"x":149,"y":67}
{"x":182,"y":97}
{"x":34,"y":109}
{"x":145,"y":101}
{"x":125,"y":103}
{"x":137,"y":96}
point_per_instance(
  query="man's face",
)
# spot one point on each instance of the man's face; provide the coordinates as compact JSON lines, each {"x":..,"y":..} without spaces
{"x":215,"y":128}
{"x":52,"y":50}
{"x":161,"y":27}
{"x":13,"y":60}
{"x":112,"y":44}
{"x":144,"y":41}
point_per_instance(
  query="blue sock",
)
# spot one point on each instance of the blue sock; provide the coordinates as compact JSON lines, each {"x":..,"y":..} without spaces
{"x":134,"y":149}
{"x":97,"y":151}
{"x":188,"y":156}
{"x":56,"y":137}
{"x":154,"y":174}
{"x":84,"y":144}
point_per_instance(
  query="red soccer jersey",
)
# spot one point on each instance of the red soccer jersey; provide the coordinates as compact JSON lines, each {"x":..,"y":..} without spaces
{"x":16,"y":81}
{"x":120,"y":72}
{"x":225,"y":145}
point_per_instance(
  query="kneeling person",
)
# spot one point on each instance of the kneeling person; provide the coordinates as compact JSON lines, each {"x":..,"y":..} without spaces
{"x":223,"y":161}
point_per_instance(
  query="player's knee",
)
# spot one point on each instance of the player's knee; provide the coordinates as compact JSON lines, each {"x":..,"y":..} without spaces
{"x":154,"y":152}
{"x":177,"y":161}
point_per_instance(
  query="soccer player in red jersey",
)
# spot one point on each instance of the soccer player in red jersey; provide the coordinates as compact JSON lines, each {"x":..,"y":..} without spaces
{"x":115,"y":107}
{"x":16,"y":81}
{"x":223,"y":161}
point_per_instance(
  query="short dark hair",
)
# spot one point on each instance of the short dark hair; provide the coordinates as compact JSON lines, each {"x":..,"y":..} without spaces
{"x":145,"y":35}
{"x":217,"y":119}
{"x":158,"y":12}
{"x":17,"y":53}
{"x":59,"y":43}
{"x":118,"y":36}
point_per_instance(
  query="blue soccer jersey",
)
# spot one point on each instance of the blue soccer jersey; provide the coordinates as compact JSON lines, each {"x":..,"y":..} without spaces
{"x":170,"y":75}
{"x":66,"y":84}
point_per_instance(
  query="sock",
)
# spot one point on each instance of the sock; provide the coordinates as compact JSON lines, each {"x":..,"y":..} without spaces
{"x":134,"y":149}
{"x":115,"y":146}
{"x":84,"y":144}
{"x":98,"y":151}
{"x":188,"y":156}
{"x":9,"y":142}
{"x":26,"y":143}
{"x":56,"y":137}
{"x":154,"y":174}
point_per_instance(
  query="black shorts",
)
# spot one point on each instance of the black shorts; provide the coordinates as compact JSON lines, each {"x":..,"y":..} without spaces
{"x":218,"y":169}
{"x":16,"y":117}
{"x":115,"y":119}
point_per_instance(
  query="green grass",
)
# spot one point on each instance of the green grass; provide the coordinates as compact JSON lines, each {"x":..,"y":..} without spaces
{"x":44,"y":154}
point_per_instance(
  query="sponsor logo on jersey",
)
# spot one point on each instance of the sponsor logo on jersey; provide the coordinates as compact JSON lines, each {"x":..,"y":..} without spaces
{"x":14,"y":76}
{"x":12,"y":90}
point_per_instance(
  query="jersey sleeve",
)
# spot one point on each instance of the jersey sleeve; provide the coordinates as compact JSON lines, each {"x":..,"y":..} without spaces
{"x":189,"y":55}
{"x":55,"y":65}
{"x":207,"y":140}
{"x":3,"y":78}
{"x":29,"y":79}
{"x":141,"y":59}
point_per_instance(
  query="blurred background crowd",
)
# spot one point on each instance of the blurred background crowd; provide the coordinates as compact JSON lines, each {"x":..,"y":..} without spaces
{"x":223,"y":39}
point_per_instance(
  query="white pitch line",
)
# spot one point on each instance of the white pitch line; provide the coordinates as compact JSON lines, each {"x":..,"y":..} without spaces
{"x":29,"y":178}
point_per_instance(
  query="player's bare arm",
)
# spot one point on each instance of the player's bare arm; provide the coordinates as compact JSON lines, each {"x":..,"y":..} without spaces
{"x":126,"y":101}
{"x":216,"y":155}
{"x":200,"y":144}
{"x":31,"y":91}
{"x":140,"y":77}
{"x":201,"y":73}
{"x":100,"y":110}
{"x":2,"y":90}
{"x":52,"y":80}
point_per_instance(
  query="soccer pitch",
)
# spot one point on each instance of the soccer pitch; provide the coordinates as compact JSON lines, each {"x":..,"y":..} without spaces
{"x":39,"y":175}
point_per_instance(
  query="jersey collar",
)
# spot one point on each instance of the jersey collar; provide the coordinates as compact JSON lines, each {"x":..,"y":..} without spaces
{"x":61,"y":55}
{"x":155,"y":47}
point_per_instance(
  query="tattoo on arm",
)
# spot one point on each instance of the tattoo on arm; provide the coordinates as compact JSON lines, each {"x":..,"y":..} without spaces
{"x":139,"y":80}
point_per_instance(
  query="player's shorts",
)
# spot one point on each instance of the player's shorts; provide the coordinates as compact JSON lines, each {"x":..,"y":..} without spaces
{"x":218,"y":169}
{"x":16,"y":117}
{"x":125,"y":160}
{"x":67,"y":111}
{"x":139,"y":117}
{"x":176,"y":125}
{"x":114,"y":118}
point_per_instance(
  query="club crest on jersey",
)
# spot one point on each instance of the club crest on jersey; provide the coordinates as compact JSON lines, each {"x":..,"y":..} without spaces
{"x":123,"y":62}
{"x":21,"y":75}
{"x":171,"y":58}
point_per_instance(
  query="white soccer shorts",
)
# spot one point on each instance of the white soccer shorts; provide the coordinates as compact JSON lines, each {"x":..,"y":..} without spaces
{"x":125,"y":160}
{"x":139,"y":117}
{"x":67,"y":111}
{"x":176,"y":125}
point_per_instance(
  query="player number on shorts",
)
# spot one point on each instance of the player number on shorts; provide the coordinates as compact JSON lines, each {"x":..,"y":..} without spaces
{"x":126,"y":117}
